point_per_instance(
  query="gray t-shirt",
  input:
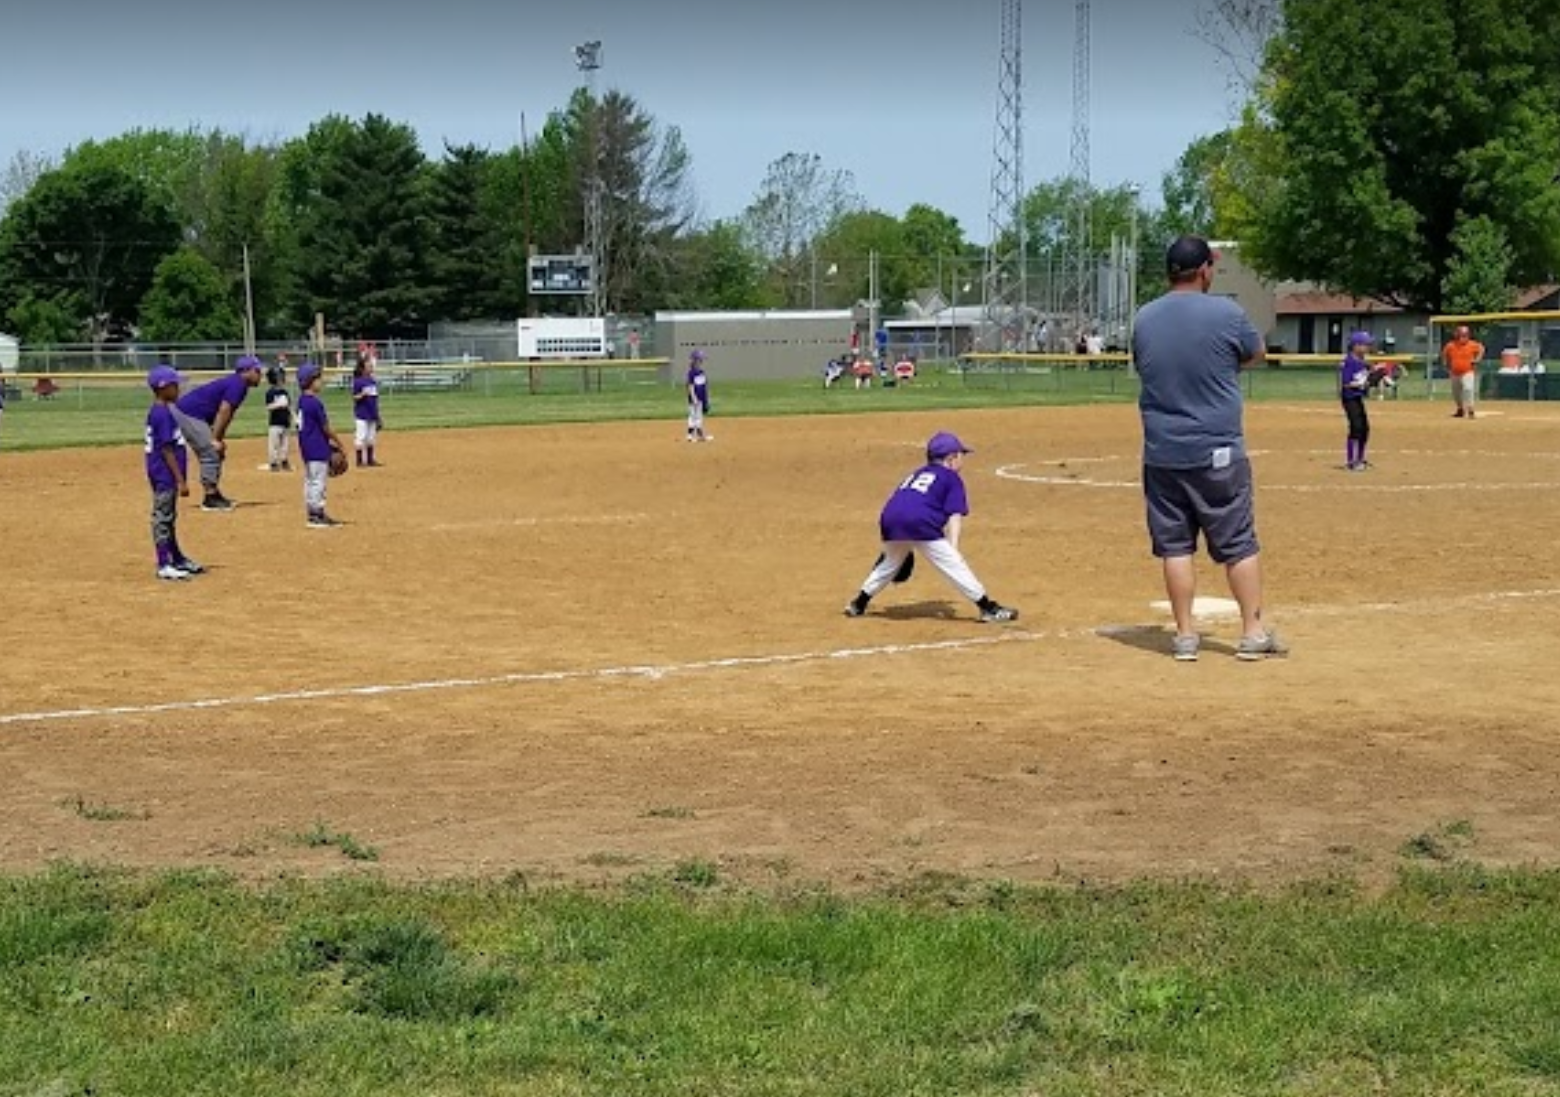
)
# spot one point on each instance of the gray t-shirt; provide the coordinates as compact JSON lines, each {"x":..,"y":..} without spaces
{"x":1188,"y":348}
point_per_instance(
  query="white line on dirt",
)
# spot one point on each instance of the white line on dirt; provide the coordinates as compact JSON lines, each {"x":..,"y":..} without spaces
{"x":652,"y":673}
{"x":1352,"y":484}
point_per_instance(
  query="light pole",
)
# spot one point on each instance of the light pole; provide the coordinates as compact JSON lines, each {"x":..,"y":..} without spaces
{"x":587,"y":58}
{"x":1132,"y":273}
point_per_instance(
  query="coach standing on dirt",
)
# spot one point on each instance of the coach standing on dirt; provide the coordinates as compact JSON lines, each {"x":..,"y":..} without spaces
{"x":1189,"y":349}
{"x":204,"y":414}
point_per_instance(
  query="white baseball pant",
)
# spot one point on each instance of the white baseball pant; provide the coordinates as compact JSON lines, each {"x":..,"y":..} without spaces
{"x":365,"y":432}
{"x":939,"y":553}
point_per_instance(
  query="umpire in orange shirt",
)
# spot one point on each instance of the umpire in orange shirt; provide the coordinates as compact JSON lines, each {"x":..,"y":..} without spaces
{"x":1462,"y":356}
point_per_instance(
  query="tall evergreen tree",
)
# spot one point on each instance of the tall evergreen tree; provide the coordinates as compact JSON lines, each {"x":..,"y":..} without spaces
{"x":467,"y":255}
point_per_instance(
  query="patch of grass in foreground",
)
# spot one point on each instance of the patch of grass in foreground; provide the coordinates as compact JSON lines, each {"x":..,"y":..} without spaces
{"x":192,"y":983}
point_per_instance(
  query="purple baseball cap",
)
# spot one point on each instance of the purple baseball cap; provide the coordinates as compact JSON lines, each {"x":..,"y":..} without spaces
{"x":307,"y":373}
{"x":943,"y":444}
{"x":1361,"y":339}
{"x":162,"y":375}
{"x":248,"y":361}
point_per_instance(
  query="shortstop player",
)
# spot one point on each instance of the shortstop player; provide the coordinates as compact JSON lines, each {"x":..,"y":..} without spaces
{"x":925,"y":515}
{"x":698,"y":398}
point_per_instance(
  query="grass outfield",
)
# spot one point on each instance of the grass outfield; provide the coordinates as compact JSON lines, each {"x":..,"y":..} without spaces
{"x":112,"y":411}
{"x":191,"y":983}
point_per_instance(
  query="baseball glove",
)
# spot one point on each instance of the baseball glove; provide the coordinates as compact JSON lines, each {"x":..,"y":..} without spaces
{"x":338,"y":463}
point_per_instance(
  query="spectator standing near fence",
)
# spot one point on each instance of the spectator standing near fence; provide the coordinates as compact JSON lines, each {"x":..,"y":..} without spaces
{"x":204,"y":415}
{"x":365,"y":411}
{"x":1462,"y":357}
{"x":1189,"y":348}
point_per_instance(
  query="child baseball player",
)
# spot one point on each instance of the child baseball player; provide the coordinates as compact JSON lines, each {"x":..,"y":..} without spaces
{"x":316,"y":443}
{"x":925,"y":515}
{"x":278,"y":406}
{"x":698,"y":398}
{"x":1354,"y":381}
{"x":365,"y":411}
{"x":167,"y":460}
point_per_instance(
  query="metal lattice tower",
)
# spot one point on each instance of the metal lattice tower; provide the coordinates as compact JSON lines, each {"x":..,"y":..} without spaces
{"x":1080,"y":264}
{"x":1004,"y":283}
{"x":587,"y":58}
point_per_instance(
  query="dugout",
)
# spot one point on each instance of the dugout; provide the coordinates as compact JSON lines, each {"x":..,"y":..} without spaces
{"x":770,"y":344}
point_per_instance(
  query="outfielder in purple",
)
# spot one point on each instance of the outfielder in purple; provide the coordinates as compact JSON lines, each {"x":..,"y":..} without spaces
{"x":166,"y":462}
{"x":1353,"y":382}
{"x":925,"y":515}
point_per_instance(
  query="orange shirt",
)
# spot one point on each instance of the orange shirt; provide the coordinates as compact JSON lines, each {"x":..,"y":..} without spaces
{"x":1462,"y":357}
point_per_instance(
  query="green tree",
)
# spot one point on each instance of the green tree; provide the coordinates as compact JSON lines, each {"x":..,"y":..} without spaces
{"x":190,"y":301}
{"x":1359,"y":175}
{"x":644,"y":169}
{"x":848,"y":244}
{"x":1478,"y":276}
{"x":716,"y":268}
{"x":355,"y":201}
{"x":87,"y":238}
{"x":467,"y":253}
{"x":797,"y":202}
{"x":1191,"y":190}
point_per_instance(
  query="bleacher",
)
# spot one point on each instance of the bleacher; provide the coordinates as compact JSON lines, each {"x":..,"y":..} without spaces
{"x":416,"y":377}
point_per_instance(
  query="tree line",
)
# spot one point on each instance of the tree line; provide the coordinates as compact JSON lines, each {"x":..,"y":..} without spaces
{"x":1406,"y":151}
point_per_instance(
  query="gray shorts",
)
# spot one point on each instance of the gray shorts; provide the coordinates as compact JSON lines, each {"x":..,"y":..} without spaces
{"x":1215,"y":502}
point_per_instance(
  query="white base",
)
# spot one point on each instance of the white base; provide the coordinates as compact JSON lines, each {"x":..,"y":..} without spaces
{"x":1206,"y":607}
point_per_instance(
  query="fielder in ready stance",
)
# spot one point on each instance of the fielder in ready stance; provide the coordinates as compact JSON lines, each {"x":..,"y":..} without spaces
{"x":698,"y":398}
{"x":365,"y":411}
{"x":316,"y":442}
{"x":166,"y":462}
{"x":925,"y":514}
{"x":204,"y":414}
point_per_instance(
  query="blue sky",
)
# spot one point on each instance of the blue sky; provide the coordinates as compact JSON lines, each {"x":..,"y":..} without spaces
{"x":903,"y":94}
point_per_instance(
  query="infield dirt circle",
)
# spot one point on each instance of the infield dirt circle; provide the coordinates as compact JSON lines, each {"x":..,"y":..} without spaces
{"x":584,"y":652}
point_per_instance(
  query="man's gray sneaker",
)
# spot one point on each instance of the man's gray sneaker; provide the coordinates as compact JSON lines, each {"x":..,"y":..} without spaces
{"x":1252,"y":648}
{"x":1184,"y":648}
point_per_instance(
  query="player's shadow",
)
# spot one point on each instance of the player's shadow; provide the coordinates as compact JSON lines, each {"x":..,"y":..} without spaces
{"x":1157,"y":639}
{"x":921,"y":611}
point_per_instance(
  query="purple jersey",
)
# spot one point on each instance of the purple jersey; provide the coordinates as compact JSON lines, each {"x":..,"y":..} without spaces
{"x":366,"y":409}
{"x":1350,"y":374}
{"x":698,"y":387}
{"x":163,"y":430}
{"x":203,"y":403}
{"x":313,"y":442}
{"x":921,"y":506}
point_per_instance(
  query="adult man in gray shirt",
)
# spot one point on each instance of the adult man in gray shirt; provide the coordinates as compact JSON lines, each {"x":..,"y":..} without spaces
{"x":1189,"y":349}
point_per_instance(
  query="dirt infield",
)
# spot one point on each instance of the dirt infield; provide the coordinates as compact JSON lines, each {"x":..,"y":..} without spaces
{"x":584,"y":652}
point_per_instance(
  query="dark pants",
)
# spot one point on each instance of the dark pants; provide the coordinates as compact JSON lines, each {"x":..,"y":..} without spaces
{"x":1359,"y":422}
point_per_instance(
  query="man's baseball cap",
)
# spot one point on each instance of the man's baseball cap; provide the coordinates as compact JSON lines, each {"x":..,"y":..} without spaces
{"x":1187,"y":254}
{"x":247,"y":362}
{"x":162,"y":375}
{"x":943,"y":444}
{"x":307,"y":373}
{"x":1361,"y":339}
